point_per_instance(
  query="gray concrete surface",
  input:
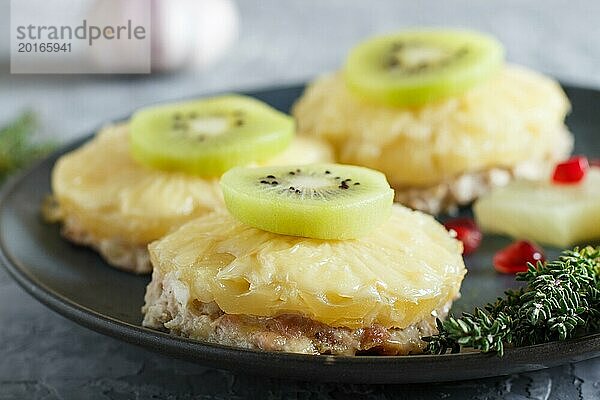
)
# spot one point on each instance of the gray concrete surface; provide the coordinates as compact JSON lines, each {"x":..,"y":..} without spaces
{"x":44,"y":356}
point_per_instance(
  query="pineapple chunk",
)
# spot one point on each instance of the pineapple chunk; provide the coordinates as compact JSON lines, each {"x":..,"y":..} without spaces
{"x":547,"y":213}
{"x":395,"y":276}
{"x":113,"y":197}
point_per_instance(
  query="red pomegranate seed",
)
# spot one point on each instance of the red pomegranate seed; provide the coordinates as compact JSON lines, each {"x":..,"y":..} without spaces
{"x":514,"y":258}
{"x":571,"y":171}
{"x":467,"y":232}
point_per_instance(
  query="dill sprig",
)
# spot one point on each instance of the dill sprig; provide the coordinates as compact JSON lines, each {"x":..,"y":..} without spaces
{"x":560,"y":301}
{"x":17,"y":150}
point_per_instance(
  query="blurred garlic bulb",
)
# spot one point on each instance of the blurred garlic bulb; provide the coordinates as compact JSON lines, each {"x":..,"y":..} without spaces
{"x":184,"y":33}
{"x":217,"y":28}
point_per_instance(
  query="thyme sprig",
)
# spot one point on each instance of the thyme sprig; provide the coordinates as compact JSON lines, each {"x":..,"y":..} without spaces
{"x":17,"y":149}
{"x":560,"y":301}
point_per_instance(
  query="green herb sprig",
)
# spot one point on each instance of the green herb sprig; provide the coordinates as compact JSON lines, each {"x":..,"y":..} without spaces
{"x":17,"y":150}
{"x":560,"y":301}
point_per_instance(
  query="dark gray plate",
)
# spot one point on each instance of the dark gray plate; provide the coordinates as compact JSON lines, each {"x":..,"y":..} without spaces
{"x":75,"y":282}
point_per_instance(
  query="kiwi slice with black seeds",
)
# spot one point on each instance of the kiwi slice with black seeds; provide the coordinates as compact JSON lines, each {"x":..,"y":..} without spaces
{"x":322,"y":201}
{"x":421,"y":66}
{"x":209,"y":136}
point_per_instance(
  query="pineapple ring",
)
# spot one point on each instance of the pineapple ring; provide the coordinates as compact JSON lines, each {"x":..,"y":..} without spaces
{"x":516,"y":116}
{"x":113,"y":197}
{"x":395,"y":276}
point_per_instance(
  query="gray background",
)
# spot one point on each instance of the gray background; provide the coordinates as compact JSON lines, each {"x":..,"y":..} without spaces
{"x":45,"y":356}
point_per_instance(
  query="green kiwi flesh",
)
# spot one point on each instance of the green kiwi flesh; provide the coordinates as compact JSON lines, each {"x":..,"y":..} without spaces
{"x":321,"y":201}
{"x":421,"y":66}
{"x":207,"y":137}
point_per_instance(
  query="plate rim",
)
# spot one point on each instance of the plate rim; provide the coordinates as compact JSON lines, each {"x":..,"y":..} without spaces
{"x":212,"y":354}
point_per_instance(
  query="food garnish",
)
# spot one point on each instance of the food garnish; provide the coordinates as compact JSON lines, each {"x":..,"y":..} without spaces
{"x":571,"y":171}
{"x":209,"y":136}
{"x":416,"y":67}
{"x":467,"y":231}
{"x":17,"y":150}
{"x":517,"y":256}
{"x":561,"y":300}
{"x":322,"y":201}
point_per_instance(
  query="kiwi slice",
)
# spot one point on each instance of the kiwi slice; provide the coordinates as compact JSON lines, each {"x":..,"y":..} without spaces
{"x":209,"y":136}
{"x":322,"y":201}
{"x":416,"y":67}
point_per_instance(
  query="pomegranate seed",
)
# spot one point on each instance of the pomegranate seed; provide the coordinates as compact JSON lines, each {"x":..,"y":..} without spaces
{"x":514,"y":257}
{"x":571,"y":171}
{"x":467,"y":232}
